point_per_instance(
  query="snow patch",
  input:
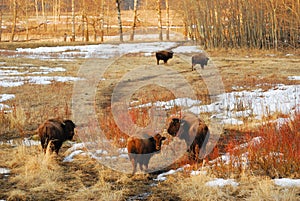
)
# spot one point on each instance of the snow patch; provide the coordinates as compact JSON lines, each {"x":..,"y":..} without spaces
{"x":286,"y":182}
{"x":4,"y":171}
{"x":221,"y":182}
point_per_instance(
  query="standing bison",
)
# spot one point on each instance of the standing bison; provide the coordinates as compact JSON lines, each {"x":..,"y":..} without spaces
{"x":55,"y":131}
{"x":193,"y":130}
{"x":163,"y":55}
{"x":201,"y":59}
{"x":140,"y":150}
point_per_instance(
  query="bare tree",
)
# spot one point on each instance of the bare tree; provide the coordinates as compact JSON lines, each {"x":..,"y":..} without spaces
{"x":13,"y":29}
{"x":44,"y":15}
{"x":102,"y":21}
{"x":73,"y":20}
{"x":119,"y":19}
{"x":27,"y":21}
{"x":168,"y":20}
{"x":134,"y":19}
{"x":1,"y":16}
{"x":160,"y":36}
{"x":36,"y":9}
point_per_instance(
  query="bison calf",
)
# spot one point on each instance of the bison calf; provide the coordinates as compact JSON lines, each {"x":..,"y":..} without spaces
{"x":193,"y":130}
{"x":163,"y":55}
{"x":140,"y":150}
{"x":55,"y":131}
{"x":201,"y":59}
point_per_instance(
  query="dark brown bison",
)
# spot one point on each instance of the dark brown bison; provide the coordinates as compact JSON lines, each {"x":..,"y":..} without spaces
{"x":140,"y":150}
{"x":201,"y":59}
{"x":55,"y":131}
{"x":193,"y":130}
{"x":163,"y":55}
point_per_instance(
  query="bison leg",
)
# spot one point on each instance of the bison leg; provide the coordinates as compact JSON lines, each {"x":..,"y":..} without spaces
{"x":44,"y":144}
{"x":157,"y":61}
{"x":57,"y":146}
{"x":165,"y":61}
{"x":141,"y":166}
{"x":134,"y":164}
{"x":202,"y":66}
{"x":146,"y":165}
{"x":193,"y":66}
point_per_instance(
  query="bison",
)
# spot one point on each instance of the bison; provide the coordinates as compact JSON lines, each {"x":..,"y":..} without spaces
{"x":163,"y":55}
{"x":140,"y":150}
{"x":55,"y":131}
{"x":201,"y":59}
{"x":193,"y":130}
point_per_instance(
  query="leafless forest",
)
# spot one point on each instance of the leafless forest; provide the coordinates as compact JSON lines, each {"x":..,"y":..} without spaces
{"x":265,"y":24}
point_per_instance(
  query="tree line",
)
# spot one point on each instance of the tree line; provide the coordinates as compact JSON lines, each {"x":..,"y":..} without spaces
{"x":267,"y":24}
{"x":243,"y":23}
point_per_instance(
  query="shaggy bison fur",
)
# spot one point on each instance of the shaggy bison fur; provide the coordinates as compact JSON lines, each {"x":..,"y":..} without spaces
{"x":141,"y":149}
{"x":201,"y":59}
{"x":193,"y":130}
{"x":55,"y":131}
{"x":163,"y":55}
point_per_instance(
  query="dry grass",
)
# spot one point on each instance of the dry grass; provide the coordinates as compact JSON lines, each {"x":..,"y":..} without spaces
{"x":38,"y":176}
{"x":35,"y":176}
{"x":249,"y":188}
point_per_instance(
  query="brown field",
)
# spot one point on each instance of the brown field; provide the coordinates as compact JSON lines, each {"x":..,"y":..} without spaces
{"x":35,"y":176}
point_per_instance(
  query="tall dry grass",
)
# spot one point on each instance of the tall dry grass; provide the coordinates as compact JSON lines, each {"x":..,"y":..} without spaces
{"x":249,"y":188}
{"x":39,"y":176}
{"x":34,"y":172}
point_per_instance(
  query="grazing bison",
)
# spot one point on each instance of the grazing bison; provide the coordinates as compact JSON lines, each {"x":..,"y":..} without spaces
{"x":163,"y":55}
{"x":201,"y":59}
{"x":193,"y":130}
{"x":140,"y":150}
{"x":55,"y":131}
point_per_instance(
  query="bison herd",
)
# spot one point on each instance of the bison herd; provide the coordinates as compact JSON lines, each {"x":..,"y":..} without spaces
{"x":165,"y":55}
{"x":189,"y":128}
{"x":142,"y":147}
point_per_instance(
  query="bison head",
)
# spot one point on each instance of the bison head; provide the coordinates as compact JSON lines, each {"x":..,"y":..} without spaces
{"x":178,"y":128}
{"x":69,"y":127}
{"x":171,"y":54}
{"x":174,"y":126}
{"x":158,"y":140}
{"x":206,"y":60}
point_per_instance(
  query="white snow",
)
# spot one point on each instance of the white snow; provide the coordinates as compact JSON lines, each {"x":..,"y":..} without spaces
{"x":4,"y":171}
{"x":24,"y":142}
{"x":28,"y":142}
{"x":13,"y":76}
{"x":162,"y":176}
{"x":258,"y":103}
{"x":14,"y":81}
{"x":222,"y":182}
{"x":293,"y":77}
{"x":99,"y":154}
{"x":231,"y":107}
{"x":183,"y":102}
{"x":70,"y":157}
{"x":104,"y":51}
{"x":5,"y":97}
{"x":198,"y":172}
{"x":286,"y":182}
